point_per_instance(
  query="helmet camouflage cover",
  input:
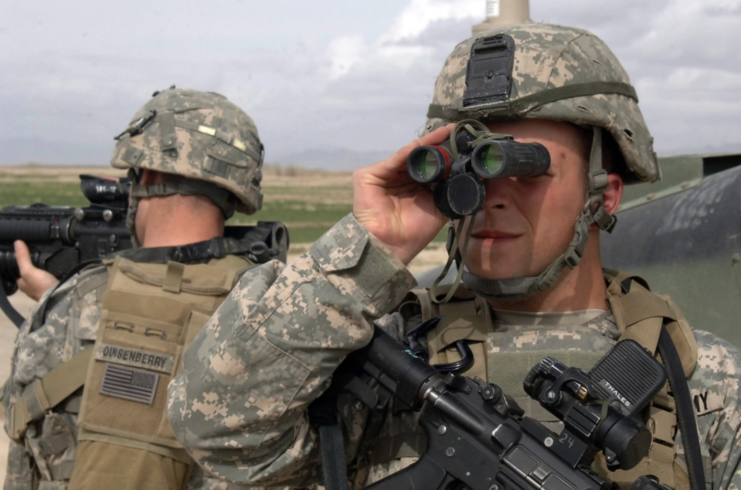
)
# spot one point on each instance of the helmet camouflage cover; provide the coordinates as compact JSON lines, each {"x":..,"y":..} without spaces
{"x":557,"y":73}
{"x":199,"y":135}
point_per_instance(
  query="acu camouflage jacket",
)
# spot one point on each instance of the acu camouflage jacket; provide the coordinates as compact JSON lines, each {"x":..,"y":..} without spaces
{"x":240,"y":404}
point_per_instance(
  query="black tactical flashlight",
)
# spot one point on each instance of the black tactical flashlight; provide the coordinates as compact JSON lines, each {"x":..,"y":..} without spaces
{"x":459,"y":165}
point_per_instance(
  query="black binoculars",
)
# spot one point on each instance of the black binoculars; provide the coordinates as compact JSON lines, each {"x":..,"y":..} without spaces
{"x":477,"y":155}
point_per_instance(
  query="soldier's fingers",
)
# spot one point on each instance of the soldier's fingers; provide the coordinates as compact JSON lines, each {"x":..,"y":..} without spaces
{"x":434,"y":138}
{"x":437,"y":136}
{"x":23,"y":257}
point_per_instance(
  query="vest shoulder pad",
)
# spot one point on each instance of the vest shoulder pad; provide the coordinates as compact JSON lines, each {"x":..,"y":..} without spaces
{"x":640,"y":314}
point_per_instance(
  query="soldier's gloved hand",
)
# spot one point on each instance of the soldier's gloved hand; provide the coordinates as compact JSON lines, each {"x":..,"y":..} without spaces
{"x":398,"y":211}
{"x":33,"y":281}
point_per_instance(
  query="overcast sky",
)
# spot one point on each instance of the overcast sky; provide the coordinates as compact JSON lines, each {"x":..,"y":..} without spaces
{"x":329,"y":74}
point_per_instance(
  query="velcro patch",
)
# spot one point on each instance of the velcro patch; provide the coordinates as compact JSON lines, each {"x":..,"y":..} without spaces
{"x":135,"y":357}
{"x":129,"y":383}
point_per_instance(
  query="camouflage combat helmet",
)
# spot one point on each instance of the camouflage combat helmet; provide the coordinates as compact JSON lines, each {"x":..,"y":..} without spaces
{"x":559,"y":73}
{"x":544,"y":71}
{"x":197,"y":135}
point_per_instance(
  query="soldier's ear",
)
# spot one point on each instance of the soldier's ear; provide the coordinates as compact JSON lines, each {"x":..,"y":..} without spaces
{"x":614,"y":193}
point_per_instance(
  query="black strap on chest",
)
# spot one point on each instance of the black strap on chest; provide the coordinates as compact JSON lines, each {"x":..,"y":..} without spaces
{"x":685,"y":412}
{"x":323,"y":415}
{"x":260,"y":243}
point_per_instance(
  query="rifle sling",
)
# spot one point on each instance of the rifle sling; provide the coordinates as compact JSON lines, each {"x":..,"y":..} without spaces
{"x":45,"y":393}
{"x":334,"y":467}
{"x":323,"y":415}
{"x":215,"y":248}
{"x":685,"y":412}
{"x":9,"y":309}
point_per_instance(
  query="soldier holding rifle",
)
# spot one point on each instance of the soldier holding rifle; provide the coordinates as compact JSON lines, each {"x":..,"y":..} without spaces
{"x":85,"y":404}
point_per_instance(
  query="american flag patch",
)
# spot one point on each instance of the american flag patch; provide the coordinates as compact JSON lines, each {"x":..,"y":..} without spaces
{"x":129,"y":383}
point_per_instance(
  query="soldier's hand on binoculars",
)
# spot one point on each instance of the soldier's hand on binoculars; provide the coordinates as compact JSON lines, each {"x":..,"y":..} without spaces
{"x":398,"y":211}
{"x":33,"y":281}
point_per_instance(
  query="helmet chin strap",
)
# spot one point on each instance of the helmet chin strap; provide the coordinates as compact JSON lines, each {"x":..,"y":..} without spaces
{"x":520,"y":288}
{"x":131,"y":211}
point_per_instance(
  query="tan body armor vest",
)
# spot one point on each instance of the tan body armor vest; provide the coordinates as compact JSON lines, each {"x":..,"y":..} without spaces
{"x":639,"y":315}
{"x":151,"y":313}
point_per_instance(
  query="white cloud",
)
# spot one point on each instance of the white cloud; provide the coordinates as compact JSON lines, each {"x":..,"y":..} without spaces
{"x":402,"y":46}
{"x":345,"y":52}
{"x":351,"y":74}
{"x":420,"y":14}
{"x":692,"y":33}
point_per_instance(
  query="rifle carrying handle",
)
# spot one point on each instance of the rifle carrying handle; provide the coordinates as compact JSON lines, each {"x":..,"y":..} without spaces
{"x":425,"y":474}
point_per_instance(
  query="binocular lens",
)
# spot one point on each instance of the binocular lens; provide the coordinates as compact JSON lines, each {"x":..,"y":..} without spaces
{"x":428,"y":164}
{"x":504,"y":158}
{"x":492,"y":159}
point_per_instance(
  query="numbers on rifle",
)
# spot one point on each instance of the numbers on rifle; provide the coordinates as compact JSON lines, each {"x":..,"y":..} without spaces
{"x":565,"y":439}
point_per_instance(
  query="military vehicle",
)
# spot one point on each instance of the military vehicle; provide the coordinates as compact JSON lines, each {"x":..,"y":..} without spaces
{"x":683,"y":235}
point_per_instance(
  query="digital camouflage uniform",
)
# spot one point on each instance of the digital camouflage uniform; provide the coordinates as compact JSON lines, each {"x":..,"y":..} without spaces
{"x":240,"y":404}
{"x":215,"y":146}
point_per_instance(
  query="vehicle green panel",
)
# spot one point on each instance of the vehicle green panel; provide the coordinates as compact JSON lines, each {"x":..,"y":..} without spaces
{"x":679,"y":173}
{"x":707,"y":292}
{"x":683,"y":235}
{"x":685,"y":172}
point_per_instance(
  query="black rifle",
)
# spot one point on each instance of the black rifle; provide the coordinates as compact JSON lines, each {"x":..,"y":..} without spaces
{"x":60,"y":237}
{"x":63,"y":239}
{"x":478,"y":437}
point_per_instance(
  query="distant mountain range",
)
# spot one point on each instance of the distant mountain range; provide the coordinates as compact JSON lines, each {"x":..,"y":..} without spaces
{"x":330,"y":159}
{"x":15,"y":151}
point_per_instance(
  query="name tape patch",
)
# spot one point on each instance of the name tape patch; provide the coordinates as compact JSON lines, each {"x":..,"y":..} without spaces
{"x":129,"y":383}
{"x":135,"y":357}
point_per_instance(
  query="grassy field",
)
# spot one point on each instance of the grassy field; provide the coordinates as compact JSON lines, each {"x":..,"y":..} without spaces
{"x":309,"y":202}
